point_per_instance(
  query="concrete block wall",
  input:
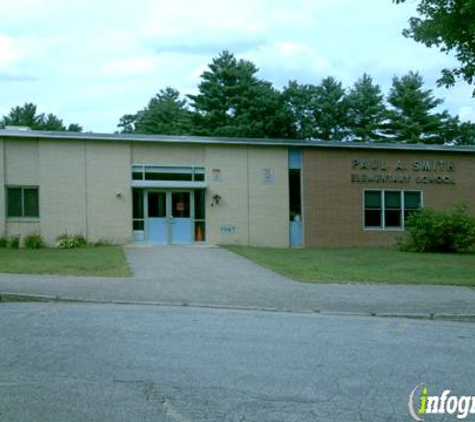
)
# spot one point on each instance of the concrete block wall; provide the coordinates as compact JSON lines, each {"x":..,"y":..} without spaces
{"x":78,"y":184}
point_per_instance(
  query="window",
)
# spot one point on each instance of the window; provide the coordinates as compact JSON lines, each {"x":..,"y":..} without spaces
{"x":137,"y":209}
{"x":168,"y":173}
{"x":22,"y":202}
{"x":389,"y":209}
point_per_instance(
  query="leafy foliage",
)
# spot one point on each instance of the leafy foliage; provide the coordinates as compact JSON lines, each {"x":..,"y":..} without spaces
{"x":34,"y":241}
{"x":233,"y":102}
{"x":412,"y":118}
{"x":165,"y":114}
{"x":429,"y":230}
{"x":366,"y":110}
{"x":27,"y":115}
{"x":65,"y":241}
{"x":14,"y":242}
{"x":318,"y":111}
{"x":448,"y":25}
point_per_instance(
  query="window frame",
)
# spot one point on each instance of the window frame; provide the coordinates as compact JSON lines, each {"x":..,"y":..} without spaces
{"x":23,"y":189}
{"x":402,"y":210}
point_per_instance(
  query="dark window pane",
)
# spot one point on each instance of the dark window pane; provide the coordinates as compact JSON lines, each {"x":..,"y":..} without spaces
{"x":31,"y":208}
{"x":392,"y":200}
{"x":199,"y":204}
{"x":137,"y":175}
{"x":372,"y":199}
{"x":200,"y":234}
{"x":392,"y":218}
{"x":157,"y":205}
{"x":372,"y":218}
{"x":138,"y":225}
{"x":14,"y":202}
{"x":412,"y":200}
{"x":294,"y":193}
{"x":179,"y":177}
{"x":137,"y":203}
{"x":181,"y":204}
{"x":199,"y":177}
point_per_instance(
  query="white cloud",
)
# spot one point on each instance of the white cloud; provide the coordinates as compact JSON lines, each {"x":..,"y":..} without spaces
{"x":9,"y":52}
{"x":101,"y":59}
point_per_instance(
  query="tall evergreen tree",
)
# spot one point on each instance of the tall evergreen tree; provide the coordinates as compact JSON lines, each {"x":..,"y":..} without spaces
{"x":318,"y":111}
{"x":166,"y":114}
{"x":412,"y":115}
{"x":300,"y":103}
{"x":233,"y":102}
{"x":27,"y":115}
{"x":330,"y":110}
{"x":366,"y":110}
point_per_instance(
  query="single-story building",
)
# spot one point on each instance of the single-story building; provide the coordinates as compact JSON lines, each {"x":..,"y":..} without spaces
{"x":182,"y":190}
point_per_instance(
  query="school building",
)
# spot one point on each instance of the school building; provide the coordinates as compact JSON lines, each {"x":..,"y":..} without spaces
{"x":183,"y":190}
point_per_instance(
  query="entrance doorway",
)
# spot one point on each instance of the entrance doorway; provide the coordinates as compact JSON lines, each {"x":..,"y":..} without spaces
{"x":169,"y":217}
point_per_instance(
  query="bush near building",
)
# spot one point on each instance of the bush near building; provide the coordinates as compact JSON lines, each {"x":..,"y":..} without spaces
{"x":430,"y":230}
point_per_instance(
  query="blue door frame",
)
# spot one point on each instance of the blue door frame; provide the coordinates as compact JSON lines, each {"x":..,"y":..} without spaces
{"x":169,"y":218}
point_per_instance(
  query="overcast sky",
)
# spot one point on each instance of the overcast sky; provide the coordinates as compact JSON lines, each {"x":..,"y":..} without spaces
{"x":92,"y":61}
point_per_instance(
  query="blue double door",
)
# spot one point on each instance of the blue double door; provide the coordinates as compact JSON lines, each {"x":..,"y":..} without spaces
{"x":169,"y":217}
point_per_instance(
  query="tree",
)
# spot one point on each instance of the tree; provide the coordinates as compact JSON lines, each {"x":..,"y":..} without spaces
{"x":233,"y":102}
{"x":366,"y":110}
{"x":411,"y":117}
{"x":27,"y":115}
{"x":460,"y":133}
{"x":166,"y":114}
{"x":448,"y":25}
{"x":318,"y":111}
{"x":299,"y":101}
{"x":330,"y":110}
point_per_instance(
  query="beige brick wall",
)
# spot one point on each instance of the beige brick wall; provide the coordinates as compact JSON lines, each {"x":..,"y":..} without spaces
{"x":333,"y":205}
{"x":168,"y":154}
{"x":250,"y":211}
{"x":21,"y":162}
{"x":20,"y":166}
{"x":62,"y":192}
{"x":269,"y":201}
{"x":227,"y":223}
{"x":22,"y":229}
{"x":109,"y":215}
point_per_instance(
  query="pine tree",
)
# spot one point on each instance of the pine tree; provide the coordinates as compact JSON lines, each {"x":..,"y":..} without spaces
{"x":366,"y":110}
{"x":233,"y":102}
{"x":412,"y":117}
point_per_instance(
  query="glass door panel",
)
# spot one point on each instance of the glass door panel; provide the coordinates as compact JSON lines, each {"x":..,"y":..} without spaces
{"x":181,"y":221}
{"x":157,"y":230}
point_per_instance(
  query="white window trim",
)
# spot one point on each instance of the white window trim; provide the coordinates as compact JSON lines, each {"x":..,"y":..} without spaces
{"x":383,"y":208}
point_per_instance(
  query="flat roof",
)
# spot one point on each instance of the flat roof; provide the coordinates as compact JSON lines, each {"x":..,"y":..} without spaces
{"x":121,"y":137}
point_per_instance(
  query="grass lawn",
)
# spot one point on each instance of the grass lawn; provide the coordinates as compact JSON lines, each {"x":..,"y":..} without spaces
{"x":340,"y":265}
{"x":102,"y":261}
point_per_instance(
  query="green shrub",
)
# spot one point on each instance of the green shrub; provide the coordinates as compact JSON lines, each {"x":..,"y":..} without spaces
{"x":80,"y":240}
{"x":65,"y":241}
{"x":34,"y":241}
{"x":14,"y":242}
{"x":429,"y":230}
{"x":3,"y":241}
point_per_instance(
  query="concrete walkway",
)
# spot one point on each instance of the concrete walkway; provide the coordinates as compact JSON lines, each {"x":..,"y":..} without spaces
{"x":211,"y":276}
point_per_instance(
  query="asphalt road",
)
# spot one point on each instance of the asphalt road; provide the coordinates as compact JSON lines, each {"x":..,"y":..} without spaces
{"x":70,"y":362}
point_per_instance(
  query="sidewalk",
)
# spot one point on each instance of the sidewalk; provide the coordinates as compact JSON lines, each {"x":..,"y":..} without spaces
{"x":210,"y":276}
